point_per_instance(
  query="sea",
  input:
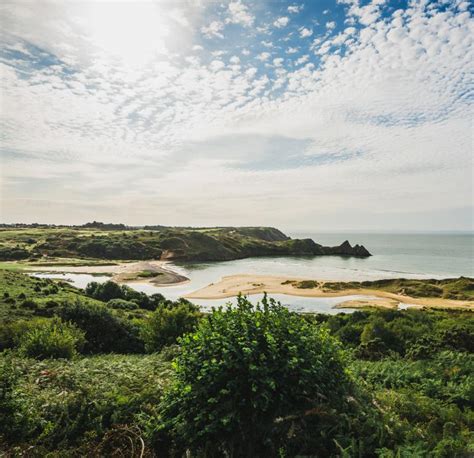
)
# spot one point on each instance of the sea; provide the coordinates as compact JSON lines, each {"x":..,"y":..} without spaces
{"x":434,"y":255}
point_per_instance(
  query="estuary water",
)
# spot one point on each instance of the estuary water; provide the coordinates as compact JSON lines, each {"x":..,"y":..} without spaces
{"x":394,"y":256}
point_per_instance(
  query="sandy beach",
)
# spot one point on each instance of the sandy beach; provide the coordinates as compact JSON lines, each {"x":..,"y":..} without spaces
{"x":256,"y":284}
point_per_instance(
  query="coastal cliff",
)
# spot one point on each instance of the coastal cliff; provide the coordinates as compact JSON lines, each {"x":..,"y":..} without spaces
{"x":96,"y":240}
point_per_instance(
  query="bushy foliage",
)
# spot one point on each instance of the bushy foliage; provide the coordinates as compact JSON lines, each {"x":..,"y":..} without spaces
{"x":167,"y":323}
{"x":110,"y":290}
{"x":253,"y":380}
{"x":104,"y":291}
{"x":122,"y":304}
{"x":11,"y":332}
{"x":426,"y":404}
{"x":51,"y":339}
{"x":77,"y":407}
{"x":418,"y":334}
{"x":104,"y":331}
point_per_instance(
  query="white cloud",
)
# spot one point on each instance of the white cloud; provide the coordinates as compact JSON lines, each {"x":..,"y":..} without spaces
{"x":239,"y":14}
{"x":216,"y":65}
{"x":330,"y":25}
{"x":302,"y":60}
{"x":214,"y":29}
{"x":263,"y":56}
{"x":281,"y":22}
{"x":293,"y":9}
{"x":234,"y":60}
{"x":292,"y":50}
{"x":278,"y":61}
{"x":305,"y":32}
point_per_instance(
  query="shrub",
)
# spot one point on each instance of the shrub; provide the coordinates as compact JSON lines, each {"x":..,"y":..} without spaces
{"x":166,"y":324}
{"x":122,"y":304}
{"x":258,"y":381}
{"x":10,"y":333}
{"x":29,"y":304}
{"x":111,"y":290}
{"x":52,"y":339}
{"x":11,"y":423}
{"x":104,"y":331}
{"x":104,"y":291}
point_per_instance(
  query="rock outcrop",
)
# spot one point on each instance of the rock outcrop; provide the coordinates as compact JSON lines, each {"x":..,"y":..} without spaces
{"x":346,"y":249}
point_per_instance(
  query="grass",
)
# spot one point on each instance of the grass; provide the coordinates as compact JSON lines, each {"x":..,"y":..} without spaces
{"x":148,"y":274}
{"x":18,"y":291}
{"x":307,"y":284}
{"x":14,"y":266}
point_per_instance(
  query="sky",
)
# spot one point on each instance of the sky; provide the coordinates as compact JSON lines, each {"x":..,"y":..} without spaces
{"x":305,"y":115}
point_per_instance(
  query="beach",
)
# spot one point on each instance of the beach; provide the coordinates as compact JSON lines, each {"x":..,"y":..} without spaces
{"x":233,"y":285}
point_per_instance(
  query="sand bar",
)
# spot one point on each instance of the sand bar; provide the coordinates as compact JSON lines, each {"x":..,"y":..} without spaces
{"x":123,"y":272}
{"x":246,"y":284}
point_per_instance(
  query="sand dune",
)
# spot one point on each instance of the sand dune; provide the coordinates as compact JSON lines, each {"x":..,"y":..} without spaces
{"x":254,"y":284}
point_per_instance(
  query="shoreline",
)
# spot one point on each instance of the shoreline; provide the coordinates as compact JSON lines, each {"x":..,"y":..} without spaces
{"x":246,"y":284}
{"x":122,"y":272}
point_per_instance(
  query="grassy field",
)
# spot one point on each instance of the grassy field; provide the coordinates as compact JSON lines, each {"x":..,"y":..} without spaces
{"x":23,"y":296}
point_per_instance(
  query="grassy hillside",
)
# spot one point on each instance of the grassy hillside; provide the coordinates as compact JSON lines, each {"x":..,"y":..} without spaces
{"x":22,"y":296}
{"x":186,"y":244}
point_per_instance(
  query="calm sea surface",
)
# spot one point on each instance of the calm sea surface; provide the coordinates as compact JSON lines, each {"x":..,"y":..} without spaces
{"x":394,"y":256}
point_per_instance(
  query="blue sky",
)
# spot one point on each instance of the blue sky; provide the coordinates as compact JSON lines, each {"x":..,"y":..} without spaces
{"x":307,"y":115}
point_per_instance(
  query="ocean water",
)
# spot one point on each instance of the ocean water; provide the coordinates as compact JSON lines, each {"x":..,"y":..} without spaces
{"x":394,"y":256}
{"x":439,"y":255}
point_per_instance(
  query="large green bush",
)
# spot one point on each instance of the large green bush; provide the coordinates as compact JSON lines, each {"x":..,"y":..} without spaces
{"x":167,"y":323}
{"x":105,"y":332}
{"x":51,"y":339}
{"x":256,"y":381}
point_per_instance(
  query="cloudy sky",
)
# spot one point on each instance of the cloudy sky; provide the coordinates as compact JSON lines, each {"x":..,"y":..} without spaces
{"x":306,"y":115}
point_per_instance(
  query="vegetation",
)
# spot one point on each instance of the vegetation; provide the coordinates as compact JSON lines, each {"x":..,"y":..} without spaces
{"x":167,"y":323}
{"x":77,"y":378}
{"x":51,"y":339}
{"x":40,"y":244}
{"x":104,"y":331}
{"x":461,"y":288}
{"x":259,"y":381}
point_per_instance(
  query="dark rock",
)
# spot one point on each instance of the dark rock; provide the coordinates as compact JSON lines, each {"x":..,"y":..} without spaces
{"x":346,"y":249}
